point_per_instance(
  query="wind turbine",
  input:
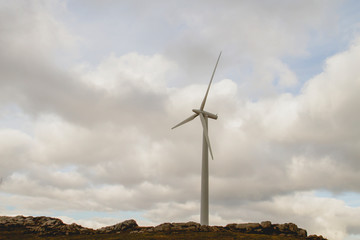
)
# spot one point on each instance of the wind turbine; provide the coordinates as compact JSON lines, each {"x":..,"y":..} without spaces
{"x":204,"y":206}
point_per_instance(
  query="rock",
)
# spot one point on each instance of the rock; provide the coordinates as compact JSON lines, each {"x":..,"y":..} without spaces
{"x":265,"y":224}
{"x":290,"y":229}
{"x":189,"y":226}
{"x":123,"y":226}
{"x":247,"y":227}
{"x":205,"y":228}
{"x":128,"y":224}
{"x":216,"y":229}
{"x":231,"y":226}
{"x":281,"y":227}
{"x":163,"y":227}
{"x":293,"y":227}
{"x":284,"y":228}
{"x":266,"y":227}
{"x":184,"y":227}
{"x":46,"y":226}
{"x":177,"y":226}
{"x":41,"y":225}
{"x":148,"y":229}
{"x":302,"y":233}
{"x":315,"y":237}
{"x":52,"y":222}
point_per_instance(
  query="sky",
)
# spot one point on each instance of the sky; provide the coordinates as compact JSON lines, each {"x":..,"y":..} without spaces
{"x":89,"y":91}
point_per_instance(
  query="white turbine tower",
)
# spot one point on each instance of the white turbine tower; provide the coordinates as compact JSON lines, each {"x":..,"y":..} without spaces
{"x":204,"y":212}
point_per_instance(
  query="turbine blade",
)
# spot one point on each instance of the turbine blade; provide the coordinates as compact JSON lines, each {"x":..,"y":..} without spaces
{"x":186,"y":120}
{"x":206,"y":133}
{"x":207,"y":91}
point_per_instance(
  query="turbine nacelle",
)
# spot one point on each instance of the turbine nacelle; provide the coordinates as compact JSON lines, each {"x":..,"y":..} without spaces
{"x":205,"y":113}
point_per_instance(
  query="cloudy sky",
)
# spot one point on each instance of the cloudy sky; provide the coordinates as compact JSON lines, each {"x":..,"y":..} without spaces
{"x":89,"y":91}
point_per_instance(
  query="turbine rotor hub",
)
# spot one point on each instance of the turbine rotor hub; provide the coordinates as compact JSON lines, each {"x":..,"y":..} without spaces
{"x":205,"y":113}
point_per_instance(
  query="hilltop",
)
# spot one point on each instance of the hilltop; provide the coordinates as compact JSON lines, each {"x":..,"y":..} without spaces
{"x":21,"y":227}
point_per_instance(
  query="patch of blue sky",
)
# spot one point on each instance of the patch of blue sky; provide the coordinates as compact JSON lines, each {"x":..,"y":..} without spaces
{"x":349,"y":24}
{"x":4,"y":205}
{"x":351,"y":199}
{"x":308,"y":66}
{"x":323,"y":45}
{"x":10,"y":208}
{"x":352,"y":237}
{"x":12,"y":116}
{"x":4,"y":194}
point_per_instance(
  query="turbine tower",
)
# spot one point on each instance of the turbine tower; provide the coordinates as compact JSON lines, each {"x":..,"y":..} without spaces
{"x":204,"y":212}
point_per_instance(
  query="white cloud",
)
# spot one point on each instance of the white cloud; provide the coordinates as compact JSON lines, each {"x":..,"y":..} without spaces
{"x":122,"y":75}
{"x":29,"y":27}
{"x":329,"y":217}
{"x":98,"y":137}
{"x":331,"y":98}
{"x":254,"y":36}
{"x":14,"y":146}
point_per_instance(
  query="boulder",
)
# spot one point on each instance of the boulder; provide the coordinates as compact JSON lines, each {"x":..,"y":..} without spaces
{"x":123,"y":226}
{"x":290,"y":229}
{"x":302,"y":232}
{"x":293,"y":227}
{"x":231,"y":226}
{"x":189,"y":226}
{"x":52,"y":222}
{"x":266,"y":224}
{"x":164,"y":227}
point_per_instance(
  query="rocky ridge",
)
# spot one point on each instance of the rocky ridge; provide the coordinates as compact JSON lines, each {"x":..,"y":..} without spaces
{"x":41,"y":226}
{"x":53,"y":226}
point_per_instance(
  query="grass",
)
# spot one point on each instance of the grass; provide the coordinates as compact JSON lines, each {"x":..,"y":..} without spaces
{"x":13,"y":235}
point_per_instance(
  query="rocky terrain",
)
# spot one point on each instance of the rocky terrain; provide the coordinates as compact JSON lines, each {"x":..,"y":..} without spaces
{"x":53,"y":228}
